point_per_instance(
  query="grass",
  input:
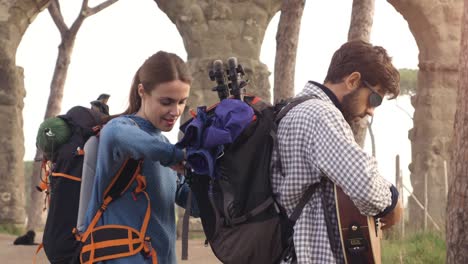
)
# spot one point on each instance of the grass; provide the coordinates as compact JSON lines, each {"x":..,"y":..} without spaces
{"x":11,"y":229}
{"x":418,"y":248}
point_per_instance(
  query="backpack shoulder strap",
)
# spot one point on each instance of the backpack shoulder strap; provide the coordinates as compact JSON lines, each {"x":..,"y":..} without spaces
{"x":283,"y":108}
{"x":303,"y":201}
{"x":120,"y":183}
{"x":289,"y":104}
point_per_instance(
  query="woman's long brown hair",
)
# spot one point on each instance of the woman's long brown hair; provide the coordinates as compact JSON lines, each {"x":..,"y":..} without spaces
{"x":161,"y":67}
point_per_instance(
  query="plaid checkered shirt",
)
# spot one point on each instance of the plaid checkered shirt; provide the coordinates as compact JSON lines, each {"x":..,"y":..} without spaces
{"x":314,"y":139}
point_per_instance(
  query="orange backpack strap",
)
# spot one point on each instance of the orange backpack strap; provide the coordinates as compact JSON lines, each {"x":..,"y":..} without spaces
{"x":116,"y":241}
{"x":44,"y":181}
{"x":68,"y":176}
{"x":44,"y":176}
{"x":41,"y":245}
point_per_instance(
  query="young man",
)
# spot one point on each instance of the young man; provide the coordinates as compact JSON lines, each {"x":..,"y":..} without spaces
{"x":315,"y":141}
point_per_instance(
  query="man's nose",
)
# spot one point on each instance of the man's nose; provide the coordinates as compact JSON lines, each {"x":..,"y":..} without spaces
{"x":370,"y":111}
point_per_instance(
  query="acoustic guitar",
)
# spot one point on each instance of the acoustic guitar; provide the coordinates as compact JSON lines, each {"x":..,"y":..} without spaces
{"x":360,"y":235}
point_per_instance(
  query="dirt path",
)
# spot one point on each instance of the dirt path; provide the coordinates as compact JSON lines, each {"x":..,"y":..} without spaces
{"x":10,"y":254}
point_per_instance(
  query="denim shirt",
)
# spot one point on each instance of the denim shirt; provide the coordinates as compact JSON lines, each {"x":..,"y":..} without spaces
{"x":134,"y":137}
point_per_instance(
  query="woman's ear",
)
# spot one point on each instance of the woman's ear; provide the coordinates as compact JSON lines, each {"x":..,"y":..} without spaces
{"x":141,"y":90}
{"x":353,"y":81}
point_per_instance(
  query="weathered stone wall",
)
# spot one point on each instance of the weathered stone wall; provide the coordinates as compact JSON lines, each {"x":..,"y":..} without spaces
{"x":218,"y":30}
{"x":435,"y":25}
{"x":15,"y":16}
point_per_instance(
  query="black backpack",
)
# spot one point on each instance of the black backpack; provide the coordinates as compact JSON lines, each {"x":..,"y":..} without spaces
{"x":241,"y":218}
{"x":62,"y":182}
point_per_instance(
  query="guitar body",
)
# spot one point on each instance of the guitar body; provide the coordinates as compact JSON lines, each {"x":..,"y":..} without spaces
{"x":359,"y":234}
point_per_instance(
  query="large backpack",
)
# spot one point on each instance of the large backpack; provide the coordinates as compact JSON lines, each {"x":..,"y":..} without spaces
{"x":61,"y":140}
{"x":63,"y":242}
{"x":241,"y":217}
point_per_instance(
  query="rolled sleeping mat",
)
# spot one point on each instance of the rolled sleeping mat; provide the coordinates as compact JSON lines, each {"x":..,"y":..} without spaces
{"x":87,"y":179}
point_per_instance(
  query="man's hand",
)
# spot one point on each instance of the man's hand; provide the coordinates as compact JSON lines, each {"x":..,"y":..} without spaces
{"x":393,"y":217}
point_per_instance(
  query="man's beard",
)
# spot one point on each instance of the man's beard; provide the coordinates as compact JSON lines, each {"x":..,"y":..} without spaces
{"x":350,"y":107}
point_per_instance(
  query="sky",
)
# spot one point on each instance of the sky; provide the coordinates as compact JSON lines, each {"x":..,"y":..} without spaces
{"x":112,"y":44}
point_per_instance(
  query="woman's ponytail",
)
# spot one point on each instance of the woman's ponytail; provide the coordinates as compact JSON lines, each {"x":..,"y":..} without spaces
{"x":134,"y":98}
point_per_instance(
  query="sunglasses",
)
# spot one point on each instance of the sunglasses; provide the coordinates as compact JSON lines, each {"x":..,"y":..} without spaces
{"x":375,"y":99}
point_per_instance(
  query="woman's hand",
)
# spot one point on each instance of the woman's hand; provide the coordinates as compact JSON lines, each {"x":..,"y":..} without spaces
{"x":179,"y":167}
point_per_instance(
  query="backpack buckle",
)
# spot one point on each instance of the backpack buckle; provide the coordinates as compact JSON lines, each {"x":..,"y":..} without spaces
{"x":147,"y":248}
{"x":289,"y":252}
{"x":78,"y":152}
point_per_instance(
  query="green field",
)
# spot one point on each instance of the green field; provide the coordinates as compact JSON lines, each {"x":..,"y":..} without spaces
{"x":419,"y":248}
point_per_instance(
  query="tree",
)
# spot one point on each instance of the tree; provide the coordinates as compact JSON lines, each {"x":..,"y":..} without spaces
{"x":408,"y":81}
{"x":457,"y":200}
{"x":65,"y":49}
{"x":286,"y":48}
{"x":362,"y":17}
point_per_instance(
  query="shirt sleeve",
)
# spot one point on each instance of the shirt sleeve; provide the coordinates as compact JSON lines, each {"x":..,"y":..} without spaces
{"x":346,"y":164}
{"x":129,"y":141}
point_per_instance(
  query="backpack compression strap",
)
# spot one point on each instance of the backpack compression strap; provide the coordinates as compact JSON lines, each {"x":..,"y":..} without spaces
{"x":64,"y":175}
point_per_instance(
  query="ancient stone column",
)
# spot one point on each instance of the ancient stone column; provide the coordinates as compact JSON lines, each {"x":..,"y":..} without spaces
{"x":435,"y":24}
{"x":15,"y":16}
{"x":218,"y":30}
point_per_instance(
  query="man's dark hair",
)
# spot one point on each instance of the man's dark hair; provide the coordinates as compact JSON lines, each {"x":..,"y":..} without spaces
{"x":372,"y":62}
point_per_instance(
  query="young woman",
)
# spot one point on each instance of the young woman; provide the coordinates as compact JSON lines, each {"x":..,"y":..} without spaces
{"x":158,"y":95}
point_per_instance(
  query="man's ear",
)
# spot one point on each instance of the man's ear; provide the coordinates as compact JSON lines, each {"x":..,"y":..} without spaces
{"x":352,"y":81}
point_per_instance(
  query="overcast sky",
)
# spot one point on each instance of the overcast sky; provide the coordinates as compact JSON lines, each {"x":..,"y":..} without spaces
{"x":112,"y":44}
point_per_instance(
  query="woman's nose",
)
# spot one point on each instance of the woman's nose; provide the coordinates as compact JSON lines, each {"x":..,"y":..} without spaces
{"x":176,"y":110}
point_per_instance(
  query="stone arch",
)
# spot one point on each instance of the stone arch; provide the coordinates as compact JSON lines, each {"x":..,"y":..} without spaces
{"x":239,"y":26}
{"x":435,"y":25}
{"x":15,"y":17}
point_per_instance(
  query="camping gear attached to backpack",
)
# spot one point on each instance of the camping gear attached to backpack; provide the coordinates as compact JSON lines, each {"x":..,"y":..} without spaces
{"x":61,"y":139}
{"x":87,"y":179}
{"x":229,"y":150}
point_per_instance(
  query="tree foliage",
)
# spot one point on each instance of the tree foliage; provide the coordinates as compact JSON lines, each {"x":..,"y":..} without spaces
{"x":408,"y":81}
